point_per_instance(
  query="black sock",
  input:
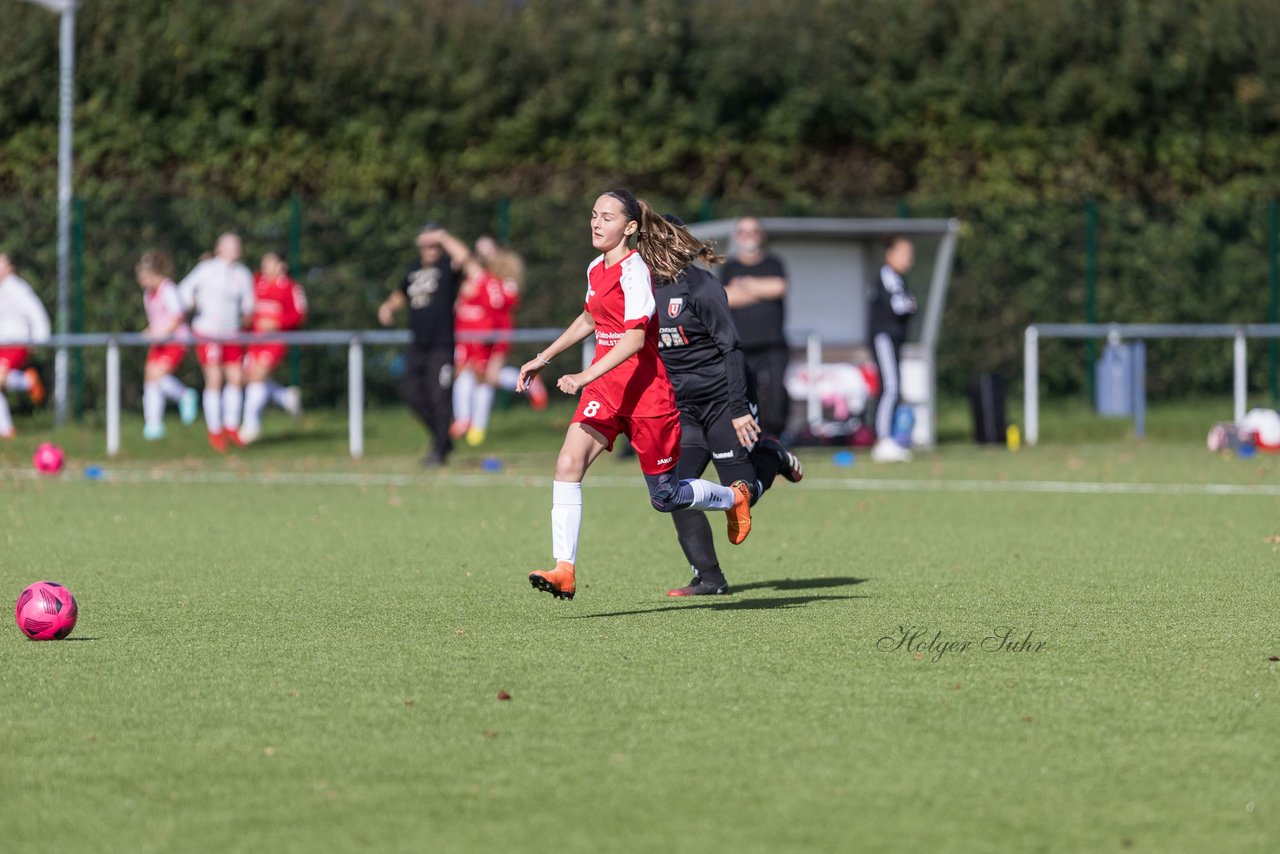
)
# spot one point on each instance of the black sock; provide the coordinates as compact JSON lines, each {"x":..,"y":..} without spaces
{"x":694,"y":532}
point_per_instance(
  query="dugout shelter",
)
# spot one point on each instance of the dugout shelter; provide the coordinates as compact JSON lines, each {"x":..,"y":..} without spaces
{"x":832,"y":264}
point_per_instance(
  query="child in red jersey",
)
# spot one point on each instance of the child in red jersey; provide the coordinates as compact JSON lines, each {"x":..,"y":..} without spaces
{"x":626,"y":388}
{"x":279,"y":305}
{"x":485,"y":305}
{"x":165,"y":319}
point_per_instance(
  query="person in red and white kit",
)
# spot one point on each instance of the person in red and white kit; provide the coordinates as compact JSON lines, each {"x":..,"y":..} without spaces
{"x":626,"y":389}
{"x":23,"y":321}
{"x":279,"y":305}
{"x":486,"y":303}
{"x":220,"y":291}
{"x":165,"y":320}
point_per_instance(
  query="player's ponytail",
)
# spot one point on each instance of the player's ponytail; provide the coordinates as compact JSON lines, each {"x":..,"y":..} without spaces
{"x":668,"y":247}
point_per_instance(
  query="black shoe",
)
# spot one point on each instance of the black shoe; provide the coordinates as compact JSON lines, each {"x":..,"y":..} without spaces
{"x":788,"y":463}
{"x":701,"y":587}
{"x":434,"y":460}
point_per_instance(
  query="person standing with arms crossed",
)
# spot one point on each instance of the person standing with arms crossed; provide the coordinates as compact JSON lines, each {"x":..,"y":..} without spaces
{"x":220,"y":291}
{"x":756,"y":284}
{"x":891,"y":308}
{"x":429,"y":290}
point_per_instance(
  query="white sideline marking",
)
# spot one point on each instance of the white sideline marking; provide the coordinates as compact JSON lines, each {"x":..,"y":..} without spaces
{"x":1054,"y":487}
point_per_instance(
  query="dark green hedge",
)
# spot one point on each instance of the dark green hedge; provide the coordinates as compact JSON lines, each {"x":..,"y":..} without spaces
{"x":195,"y":116}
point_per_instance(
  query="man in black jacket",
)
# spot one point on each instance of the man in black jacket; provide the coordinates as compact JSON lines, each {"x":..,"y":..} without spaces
{"x":892,"y":305}
{"x":756,"y":284}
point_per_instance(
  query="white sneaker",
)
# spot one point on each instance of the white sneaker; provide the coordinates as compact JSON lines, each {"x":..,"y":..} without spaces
{"x":249,"y":435}
{"x":291,"y":401}
{"x":889,"y":451}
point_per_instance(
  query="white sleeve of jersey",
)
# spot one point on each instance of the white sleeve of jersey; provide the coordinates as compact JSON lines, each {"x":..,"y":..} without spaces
{"x":169,"y":300}
{"x":637,"y":291}
{"x":37,"y":317}
{"x":246,"y":291}
{"x":188,"y":286}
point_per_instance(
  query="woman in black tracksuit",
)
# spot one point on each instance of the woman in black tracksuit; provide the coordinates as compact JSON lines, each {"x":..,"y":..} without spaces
{"x":703,"y":356}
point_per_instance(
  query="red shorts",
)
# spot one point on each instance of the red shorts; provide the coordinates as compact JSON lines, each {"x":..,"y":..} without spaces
{"x":656,"y":439}
{"x":13,"y":358}
{"x":168,"y":356}
{"x":268,"y":355}
{"x":214,"y":353}
{"x":476,"y":356}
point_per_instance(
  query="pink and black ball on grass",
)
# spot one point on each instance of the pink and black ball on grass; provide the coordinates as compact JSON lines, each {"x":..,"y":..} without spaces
{"x":46,"y":611}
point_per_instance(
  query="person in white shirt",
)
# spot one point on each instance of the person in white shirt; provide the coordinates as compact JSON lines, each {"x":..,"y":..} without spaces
{"x":23,"y":321}
{"x":167,"y":323}
{"x":220,"y":291}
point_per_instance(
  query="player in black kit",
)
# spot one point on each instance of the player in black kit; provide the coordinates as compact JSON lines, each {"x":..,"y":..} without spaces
{"x":703,"y":356}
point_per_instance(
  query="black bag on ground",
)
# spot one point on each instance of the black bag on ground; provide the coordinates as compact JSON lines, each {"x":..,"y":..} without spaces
{"x":986,"y":398}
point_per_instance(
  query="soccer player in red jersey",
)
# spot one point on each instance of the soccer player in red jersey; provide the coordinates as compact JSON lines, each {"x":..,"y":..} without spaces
{"x":165,"y":319}
{"x":485,"y":303}
{"x":279,"y":304}
{"x":626,"y":388}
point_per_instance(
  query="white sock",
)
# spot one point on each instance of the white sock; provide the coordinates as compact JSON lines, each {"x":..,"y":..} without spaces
{"x":172,"y":387}
{"x":463,"y":385}
{"x":566,"y":520}
{"x":152,"y":404}
{"x":508,"y":376}
{"x":232,"y":398}
{"x":6,"y":420}
{"x":17,"y":381}
{"x":710,"y":496}
{"x":483,"y":406}
{"x":213,"y":409}
{"x":275,"y":393}
{"x":255,"y":401}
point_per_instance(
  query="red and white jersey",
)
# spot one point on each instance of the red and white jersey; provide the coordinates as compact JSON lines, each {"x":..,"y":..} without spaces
{"x":489,"y":306}
{"x":221,"y":292}
{"x":163,"y":308}
{"x":22,"y":315}
{"x":619,"y":298}
{"x":281,"y":301}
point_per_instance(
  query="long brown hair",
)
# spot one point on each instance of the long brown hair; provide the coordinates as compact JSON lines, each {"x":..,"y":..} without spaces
{"x":666,"y":248}
{"x":156,"y":262}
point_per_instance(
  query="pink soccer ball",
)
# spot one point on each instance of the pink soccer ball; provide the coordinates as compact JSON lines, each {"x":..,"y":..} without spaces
{"x":46,"y":611}
{"x":48,"y":459}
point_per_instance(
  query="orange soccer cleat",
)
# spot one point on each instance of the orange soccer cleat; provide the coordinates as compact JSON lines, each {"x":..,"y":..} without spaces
{"x":740,"y":513}
{"x":537,"y":393}
{"x":233,"y":437}
{"x":559,"y":582}
{"x":218,"y":441}
{"x":35,"y":387}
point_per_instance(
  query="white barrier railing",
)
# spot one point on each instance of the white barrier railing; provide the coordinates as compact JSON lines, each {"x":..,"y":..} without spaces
{"x":1118,"y":332}
{"x":355,"y":341}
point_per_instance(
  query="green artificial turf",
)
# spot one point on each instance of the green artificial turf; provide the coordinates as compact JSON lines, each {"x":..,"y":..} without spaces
{"x":314,"y":665}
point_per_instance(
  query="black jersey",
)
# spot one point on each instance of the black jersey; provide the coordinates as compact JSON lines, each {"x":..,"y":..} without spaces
{"x":761,"y":325}
{"x":431,"y":292}
{"x":891,"y":307}
{"x":698,"y":342}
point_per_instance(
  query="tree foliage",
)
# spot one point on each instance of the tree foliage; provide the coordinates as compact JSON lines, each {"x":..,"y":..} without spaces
{"x":1008,"y":113}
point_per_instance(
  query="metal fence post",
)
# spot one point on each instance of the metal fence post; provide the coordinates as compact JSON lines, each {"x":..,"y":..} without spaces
{"x":113,"y":397}
{"x":355,"y":397}
{"x":813,"y":355}
{"x":1241,"y":378}
{"x":1031,"y":386}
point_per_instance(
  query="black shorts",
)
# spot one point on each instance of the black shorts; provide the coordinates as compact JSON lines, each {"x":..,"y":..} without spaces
{"x":707,"y":436}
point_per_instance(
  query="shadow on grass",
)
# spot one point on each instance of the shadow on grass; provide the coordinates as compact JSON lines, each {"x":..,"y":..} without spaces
{"x":726,"y":604}
{"x":799,"y":583}
{"x":67,"y":640}
{"x":300,"y":437}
